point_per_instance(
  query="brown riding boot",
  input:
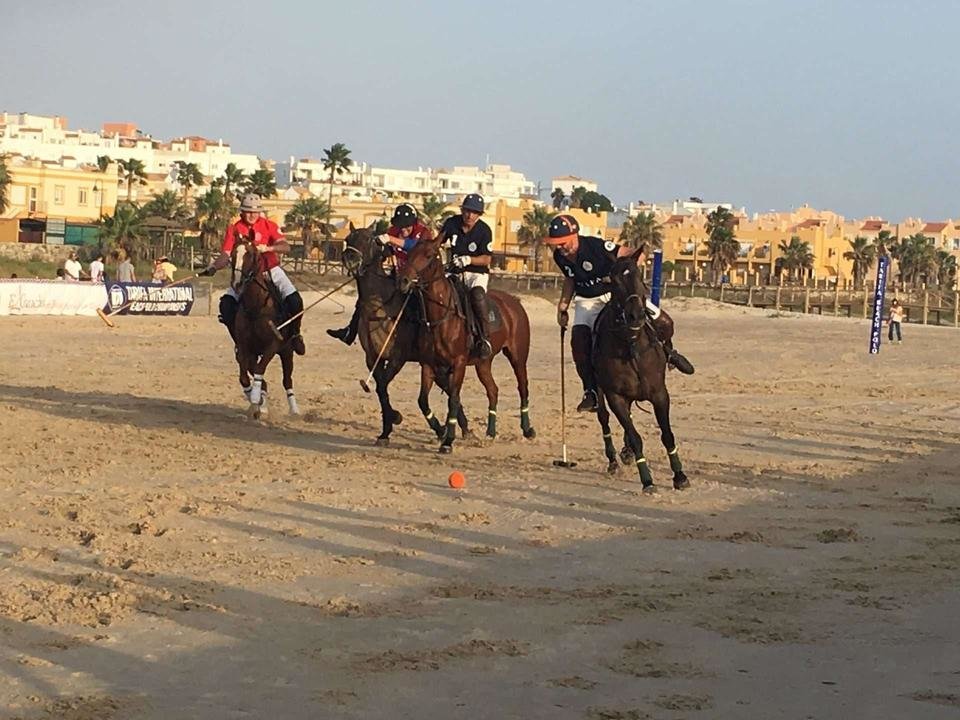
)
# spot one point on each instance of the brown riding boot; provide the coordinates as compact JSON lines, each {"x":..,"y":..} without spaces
{"x":581,"y":343}
{"x":478,"y":301}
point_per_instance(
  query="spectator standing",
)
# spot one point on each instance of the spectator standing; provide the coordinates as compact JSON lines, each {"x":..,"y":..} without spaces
{"x":896,"y":318}
{"x":72,"y":268}
{"x":96,"y":269}
{"x":125,"y":272}
{"x":163,"y":270}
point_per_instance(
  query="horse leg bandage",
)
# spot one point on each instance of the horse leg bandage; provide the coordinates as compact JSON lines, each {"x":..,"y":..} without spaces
{"x":256,"y":390}
{"x":292,"y":402}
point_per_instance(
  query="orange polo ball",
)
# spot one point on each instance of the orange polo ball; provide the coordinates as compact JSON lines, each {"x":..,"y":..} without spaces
{"x":456,"y":480}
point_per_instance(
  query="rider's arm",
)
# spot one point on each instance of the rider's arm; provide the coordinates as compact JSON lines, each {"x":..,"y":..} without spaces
{"x":483,"y":260}
{"x":566,"y":295}
{"x":624,"y":251}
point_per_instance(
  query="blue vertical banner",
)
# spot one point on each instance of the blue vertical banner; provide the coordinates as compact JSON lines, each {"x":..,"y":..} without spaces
{"x":657,"y":274}
{"x":876,"y":327}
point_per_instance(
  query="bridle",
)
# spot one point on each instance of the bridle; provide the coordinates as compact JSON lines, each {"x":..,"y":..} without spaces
{"x":251,"y":275}
{"x":420,"y":284}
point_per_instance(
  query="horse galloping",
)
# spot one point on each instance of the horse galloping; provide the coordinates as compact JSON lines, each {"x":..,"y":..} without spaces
{"x":449,"y":342}
{"x":256,"y":334}
{"x":630,"y":365}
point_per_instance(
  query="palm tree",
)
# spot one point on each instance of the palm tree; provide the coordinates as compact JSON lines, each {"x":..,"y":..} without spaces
{"x":213,"y":212}
{"x":232,"y":177}
{"x":535,"y":227}
{"x":862,"y":252}
{"x":336,"y":159}
{"x":642,"y":229}
{"x":262,"y":182}
{"x":576,"y":196}
{"x":558,"y":196}
{"x":796,"y":255}
{"x":434,"y":211}
{"x":132,"y":171}
{"x":946,"y":269}
{"x":166,"y":205}
{"x":916,"y":257}
{"x":124,"y":229}
{"x":307,"y":215}
{"x":188,"y":176}
{"x":5,"y":181}
{"x":722,"y":246}
{"x":103,"y":162}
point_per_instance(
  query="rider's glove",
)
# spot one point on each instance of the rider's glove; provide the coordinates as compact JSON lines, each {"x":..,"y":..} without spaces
{"x":208,"y":271}
{"x":384,"y":239}
{"x":460,"y":261}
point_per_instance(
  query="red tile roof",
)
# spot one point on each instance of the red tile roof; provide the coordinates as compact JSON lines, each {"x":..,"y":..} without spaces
{"x":873,"y":225}
{"x":673,"y":219}
{"x":934,"y":227}
{"x":808,"y":223}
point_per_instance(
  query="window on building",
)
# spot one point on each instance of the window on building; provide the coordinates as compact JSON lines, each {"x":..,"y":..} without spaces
{"x":32,"y":205}
{"x":58,"y":193}
{"x":82,"y":196}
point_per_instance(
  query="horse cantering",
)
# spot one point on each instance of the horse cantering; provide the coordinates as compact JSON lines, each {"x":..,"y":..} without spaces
{"x":449,"y":341}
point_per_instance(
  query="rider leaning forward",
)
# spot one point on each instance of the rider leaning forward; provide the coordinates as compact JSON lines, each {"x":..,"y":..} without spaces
{"x":405,"y":232}
{"x":586,"y":261}
{"x":269,"y":239}
{"x":471,"y":242}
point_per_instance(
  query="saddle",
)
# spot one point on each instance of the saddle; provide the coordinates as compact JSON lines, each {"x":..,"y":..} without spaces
{"x":465,"y":309}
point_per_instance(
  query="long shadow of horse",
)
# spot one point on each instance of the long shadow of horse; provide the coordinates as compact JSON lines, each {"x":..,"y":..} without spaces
{"x":162,"y":414}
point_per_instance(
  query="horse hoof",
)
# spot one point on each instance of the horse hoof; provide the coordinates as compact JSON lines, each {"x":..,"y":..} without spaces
{"x":650,"y":489}
{"x":612,"y":467}
{"x":397,"y":418}
{"x":382,"y":442}
{"x":680,"y":482}
{"x":490,"y":437}
{"x":253,"y":412}
{"x":445,"y":450}
{"x":626,"y":456}
{"x":468,"y":435}
{"x":530,"y":434}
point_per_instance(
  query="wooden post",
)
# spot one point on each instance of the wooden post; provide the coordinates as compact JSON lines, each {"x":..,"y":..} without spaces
{"x":749,"y":296}
{"x":926,"y":306}
{"x":721,"y":292}
{"x":779,"y":288}
{"x":866,"y":302}
{"x":956,"y":308}
{"x":693,"y":281}
{"x":806,"y":299}
{"x":836,"y":299}
{"x":209,"y":298}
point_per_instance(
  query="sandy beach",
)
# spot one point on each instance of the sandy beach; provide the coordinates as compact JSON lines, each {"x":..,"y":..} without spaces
{"x":163,"y":557}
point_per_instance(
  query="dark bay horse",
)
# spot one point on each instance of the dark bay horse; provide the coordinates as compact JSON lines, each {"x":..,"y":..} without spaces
{"x":630,"y":366}
{"x":257,"y":342}
{"x":381,"y":303}
{"x":449,"y":339}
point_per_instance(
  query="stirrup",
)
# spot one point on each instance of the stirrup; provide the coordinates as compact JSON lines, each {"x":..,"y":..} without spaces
{"x":680,"y":363}
{"x":483,"y":348}
{"x":589,"y":403}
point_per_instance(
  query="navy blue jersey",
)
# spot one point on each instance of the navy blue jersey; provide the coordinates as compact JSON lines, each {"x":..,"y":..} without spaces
{"x":479,"y":241}
{"x":590,"y":269}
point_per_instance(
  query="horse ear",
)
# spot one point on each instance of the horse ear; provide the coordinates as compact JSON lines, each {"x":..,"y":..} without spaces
{"x":638,"y":252}
{"x":352,"y":228}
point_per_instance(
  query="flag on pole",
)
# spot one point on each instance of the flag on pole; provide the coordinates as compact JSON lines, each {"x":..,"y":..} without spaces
{"x":876,"y":328}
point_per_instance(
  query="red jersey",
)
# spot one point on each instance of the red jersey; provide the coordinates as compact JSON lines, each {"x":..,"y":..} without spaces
{"x":419,"y":232}
{"x":265,"y":234}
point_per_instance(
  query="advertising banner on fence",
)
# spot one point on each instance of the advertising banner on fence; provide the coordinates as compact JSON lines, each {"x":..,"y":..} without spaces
{"x":149,"y":298}
{"x":50,"y":297}
{"x":876,"y":328}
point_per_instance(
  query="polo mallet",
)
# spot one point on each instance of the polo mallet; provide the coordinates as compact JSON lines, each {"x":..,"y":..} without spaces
{"x":564,"y":463}
{"x":365,"y":384}
{"x":277,"y":328}
{"x":106,"y":316}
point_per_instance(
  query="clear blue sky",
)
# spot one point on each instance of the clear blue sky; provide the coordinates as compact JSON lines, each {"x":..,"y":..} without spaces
{"x":845,"y":105}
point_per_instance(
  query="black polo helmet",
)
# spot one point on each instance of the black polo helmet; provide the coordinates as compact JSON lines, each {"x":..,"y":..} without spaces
{"x":404,"y":215}
{"x":562,"y":227}
{"x":473,"y":202}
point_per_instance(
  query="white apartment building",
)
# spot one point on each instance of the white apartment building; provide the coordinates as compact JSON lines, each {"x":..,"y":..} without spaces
{"x":47,"y":138}
{"x":567,"y":183}
{"x":365,"y":181}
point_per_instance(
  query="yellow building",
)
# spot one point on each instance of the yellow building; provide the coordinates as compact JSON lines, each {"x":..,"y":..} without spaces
{"x":46,"y":200}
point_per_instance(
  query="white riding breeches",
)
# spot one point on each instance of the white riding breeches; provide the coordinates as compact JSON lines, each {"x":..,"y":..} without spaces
{"x":586,"y":310}
{"x":472,"y":280}
{"x":279,"y":278}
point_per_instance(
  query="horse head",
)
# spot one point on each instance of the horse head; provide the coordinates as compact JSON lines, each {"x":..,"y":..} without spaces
{"x":628,"y":289}
{"x":245,"y":265}
{"x":362,"y":251}
{"x":423,"y":264}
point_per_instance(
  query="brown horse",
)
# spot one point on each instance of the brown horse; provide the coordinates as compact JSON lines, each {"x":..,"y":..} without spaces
{"x":630,"y":366}
{"x":257,"y":341}
{"x":381,"y":303}
{"x":449,"y":341}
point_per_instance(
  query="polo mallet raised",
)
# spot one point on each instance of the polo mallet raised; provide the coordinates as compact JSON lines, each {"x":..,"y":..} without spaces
{"x":564,"y":463}
{"x":106,"y":316}
{"x":365,"y":384}
{"x":276,"y":329}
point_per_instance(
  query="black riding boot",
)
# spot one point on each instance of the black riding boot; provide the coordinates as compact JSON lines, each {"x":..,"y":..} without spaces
{"x":478,"y":301}
{"x":292,"y":305}
{"x":349,"y":333}
{"x":581,"y":342}
{"x":228,"y":315}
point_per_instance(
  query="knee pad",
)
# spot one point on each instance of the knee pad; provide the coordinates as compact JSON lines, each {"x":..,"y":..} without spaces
{"x":228,"y":309}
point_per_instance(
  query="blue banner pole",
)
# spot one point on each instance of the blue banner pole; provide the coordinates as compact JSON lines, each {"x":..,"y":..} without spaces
{"x":657,"y":273}
{"x":876,"y":327}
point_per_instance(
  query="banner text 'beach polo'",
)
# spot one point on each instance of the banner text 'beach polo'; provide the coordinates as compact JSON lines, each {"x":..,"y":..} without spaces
{"x":150,"y":299}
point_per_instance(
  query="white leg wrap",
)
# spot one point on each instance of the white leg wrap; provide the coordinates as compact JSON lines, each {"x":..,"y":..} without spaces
{"x":263,"y":403}
{"x":292,"y":402}
{"x":653,"y":310}
{"x":255,"y":390}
